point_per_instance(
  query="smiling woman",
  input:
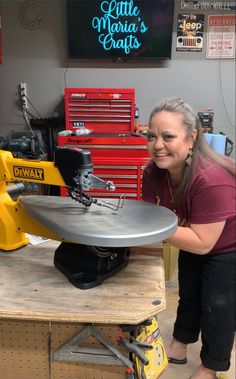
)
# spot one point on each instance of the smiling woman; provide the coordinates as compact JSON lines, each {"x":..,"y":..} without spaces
{"x":199,"y":185}
{"x":168,"y":143}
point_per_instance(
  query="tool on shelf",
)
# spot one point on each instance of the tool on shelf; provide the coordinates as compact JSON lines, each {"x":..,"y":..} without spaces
{"x":74,"y":351}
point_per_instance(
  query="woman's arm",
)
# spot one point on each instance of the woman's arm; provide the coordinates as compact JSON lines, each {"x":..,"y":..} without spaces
{"x":198,"y":238}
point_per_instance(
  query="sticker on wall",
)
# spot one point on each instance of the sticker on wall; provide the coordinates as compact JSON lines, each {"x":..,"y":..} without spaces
{"x":31,"y":14}
{"x":190,"y":32}
{"x":216,"y":5}
{"x":221,"y":36}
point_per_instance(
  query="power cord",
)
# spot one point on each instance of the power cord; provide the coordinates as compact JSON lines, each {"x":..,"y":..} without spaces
{"x":65,"y":73}
{"x":26,"y":112}
{"x":32,"y":105}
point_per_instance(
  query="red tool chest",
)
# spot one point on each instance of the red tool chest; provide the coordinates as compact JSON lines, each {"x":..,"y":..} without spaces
{"x":102,"y":110}
{"x":118,"y":154}
{"x":125,"y":173}
{"x":109,"y":145}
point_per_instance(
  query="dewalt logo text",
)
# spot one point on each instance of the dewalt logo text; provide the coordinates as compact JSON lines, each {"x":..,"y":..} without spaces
{"x":28,"y":173}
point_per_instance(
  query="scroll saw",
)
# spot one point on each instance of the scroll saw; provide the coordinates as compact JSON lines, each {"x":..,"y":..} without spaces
{"x":95,"y":234}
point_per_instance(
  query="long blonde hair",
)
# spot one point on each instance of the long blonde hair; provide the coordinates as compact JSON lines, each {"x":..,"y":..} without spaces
{"x":201,"y":150}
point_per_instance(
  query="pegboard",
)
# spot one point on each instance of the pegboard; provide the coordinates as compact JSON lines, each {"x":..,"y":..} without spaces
{"x":61,"y":333}
{"x":26,"y":346}
{"x":23,"y":350}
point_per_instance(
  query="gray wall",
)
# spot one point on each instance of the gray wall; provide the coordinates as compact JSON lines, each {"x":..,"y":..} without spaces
{"x":38,"y":57}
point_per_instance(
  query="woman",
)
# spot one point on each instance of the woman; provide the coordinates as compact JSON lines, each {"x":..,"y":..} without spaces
{"x":185,"y":175}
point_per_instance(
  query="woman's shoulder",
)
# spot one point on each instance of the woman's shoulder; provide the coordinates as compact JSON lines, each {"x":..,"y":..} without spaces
{"x":211,"y":173}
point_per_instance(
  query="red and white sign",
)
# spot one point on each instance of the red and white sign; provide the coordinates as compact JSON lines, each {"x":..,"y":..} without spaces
{"x":221,"y":36}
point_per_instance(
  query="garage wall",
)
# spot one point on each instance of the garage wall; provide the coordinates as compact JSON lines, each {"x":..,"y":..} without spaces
{"x":39,"y":58}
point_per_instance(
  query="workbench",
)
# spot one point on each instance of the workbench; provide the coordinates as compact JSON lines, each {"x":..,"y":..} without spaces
{"x":40,"y":310}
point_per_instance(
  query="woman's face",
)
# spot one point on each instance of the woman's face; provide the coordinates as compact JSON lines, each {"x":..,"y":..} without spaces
{"x":168,"y":144}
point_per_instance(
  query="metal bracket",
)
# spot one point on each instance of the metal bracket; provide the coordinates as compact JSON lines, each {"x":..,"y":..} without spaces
{"x":72,"y":352}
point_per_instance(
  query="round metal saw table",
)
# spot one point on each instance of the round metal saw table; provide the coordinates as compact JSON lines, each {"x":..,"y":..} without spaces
{"x":96,"y":240}
{"x":137,"y":223}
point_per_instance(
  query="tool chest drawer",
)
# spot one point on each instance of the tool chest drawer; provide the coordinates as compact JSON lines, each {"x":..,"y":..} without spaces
{"x":126,"y":174}
{"x":118,"y":153}
{"x":100,"y":109}
{"x":120,"y":145}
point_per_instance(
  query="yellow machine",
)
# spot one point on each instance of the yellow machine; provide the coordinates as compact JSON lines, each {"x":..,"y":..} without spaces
{"x":72,"y":168}
{"x":156,"y":356}
{"x":146,"y":348}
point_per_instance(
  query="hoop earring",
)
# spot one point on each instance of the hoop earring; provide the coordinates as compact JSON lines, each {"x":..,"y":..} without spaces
{"x":189,"y":158}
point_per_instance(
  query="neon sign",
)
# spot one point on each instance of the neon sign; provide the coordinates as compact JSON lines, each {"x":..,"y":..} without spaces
{"x":119,"y":26}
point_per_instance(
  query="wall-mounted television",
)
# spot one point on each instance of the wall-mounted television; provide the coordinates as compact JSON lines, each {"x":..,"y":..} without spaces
{"x":119,"y":29}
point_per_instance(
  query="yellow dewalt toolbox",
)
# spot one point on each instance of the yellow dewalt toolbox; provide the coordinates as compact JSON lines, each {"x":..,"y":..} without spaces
{"x":156,"y":355}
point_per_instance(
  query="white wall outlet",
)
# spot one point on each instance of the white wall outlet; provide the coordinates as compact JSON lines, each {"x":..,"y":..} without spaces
{"x":23,"y":95}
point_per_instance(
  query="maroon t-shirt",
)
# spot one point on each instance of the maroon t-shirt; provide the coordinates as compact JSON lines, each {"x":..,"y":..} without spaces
{"x":210,"y":197}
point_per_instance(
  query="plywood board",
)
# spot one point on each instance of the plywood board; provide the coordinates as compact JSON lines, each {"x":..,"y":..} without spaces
{"x":33,"y":289}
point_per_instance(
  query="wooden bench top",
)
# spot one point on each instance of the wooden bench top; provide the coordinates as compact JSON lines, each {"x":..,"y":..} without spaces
{"x":33,"y":289}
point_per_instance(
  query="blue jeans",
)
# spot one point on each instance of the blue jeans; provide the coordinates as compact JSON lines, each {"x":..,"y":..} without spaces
{"x":207,"y":291}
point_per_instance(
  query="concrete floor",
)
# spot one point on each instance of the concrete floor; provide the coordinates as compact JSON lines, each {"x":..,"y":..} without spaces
{"x":166,"y":320}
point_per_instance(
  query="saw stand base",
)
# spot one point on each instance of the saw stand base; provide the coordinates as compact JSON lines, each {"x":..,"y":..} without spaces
{"x":88,"y":266}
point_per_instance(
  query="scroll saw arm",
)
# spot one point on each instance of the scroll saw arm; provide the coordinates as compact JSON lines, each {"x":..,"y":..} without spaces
{"x":72,"y":168}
